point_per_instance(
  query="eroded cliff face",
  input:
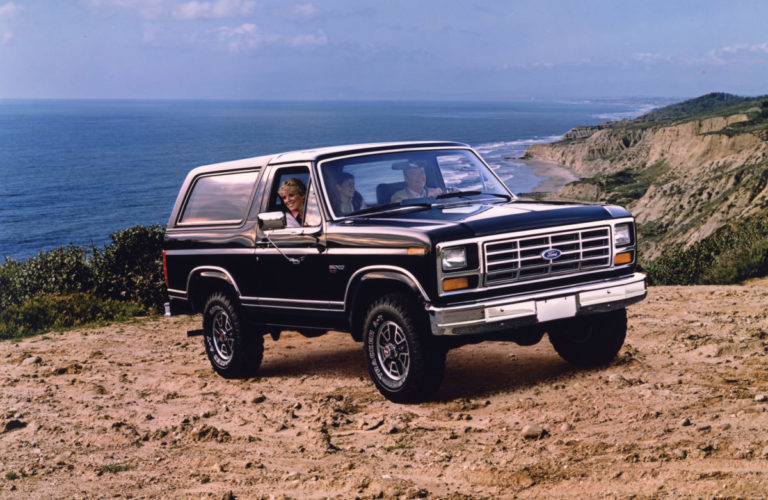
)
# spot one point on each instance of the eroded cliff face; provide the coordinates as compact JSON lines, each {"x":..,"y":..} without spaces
{"x":681,"y":181}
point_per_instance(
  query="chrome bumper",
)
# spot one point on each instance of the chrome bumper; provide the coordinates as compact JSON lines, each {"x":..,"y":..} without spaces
{"x":529,"y":309}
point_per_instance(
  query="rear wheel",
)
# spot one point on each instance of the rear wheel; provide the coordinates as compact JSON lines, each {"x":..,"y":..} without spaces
{"x":590,"y":340}
{"x":404,"y":362}
{"x":231,"y":351}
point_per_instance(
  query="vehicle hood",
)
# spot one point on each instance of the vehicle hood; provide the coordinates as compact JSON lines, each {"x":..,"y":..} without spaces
{"x":468,"y":220}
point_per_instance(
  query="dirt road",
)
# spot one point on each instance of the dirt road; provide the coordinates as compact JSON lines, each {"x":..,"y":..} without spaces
{"x":134,"y":410}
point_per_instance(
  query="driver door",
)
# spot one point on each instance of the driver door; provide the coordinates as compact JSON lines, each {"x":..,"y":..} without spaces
{"x":291,"y":261}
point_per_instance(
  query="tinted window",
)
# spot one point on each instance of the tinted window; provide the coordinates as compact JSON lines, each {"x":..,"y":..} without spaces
{"x":219,"y":199}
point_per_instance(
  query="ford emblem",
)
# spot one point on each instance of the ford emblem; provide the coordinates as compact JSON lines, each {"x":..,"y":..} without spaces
{"x":551,"y":253}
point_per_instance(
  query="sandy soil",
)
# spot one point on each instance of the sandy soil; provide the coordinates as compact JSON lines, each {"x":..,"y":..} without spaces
{"x":134,"y":410}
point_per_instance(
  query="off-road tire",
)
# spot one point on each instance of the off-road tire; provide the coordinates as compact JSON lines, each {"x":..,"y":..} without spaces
{"x":590,"y":340}
{"x":232,"y":351}
{"x":405,"y":363}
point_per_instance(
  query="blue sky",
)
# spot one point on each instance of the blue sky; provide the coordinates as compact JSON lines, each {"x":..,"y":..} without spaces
{"x":365,"y":49}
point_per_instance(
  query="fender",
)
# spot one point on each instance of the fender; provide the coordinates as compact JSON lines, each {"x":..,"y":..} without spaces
{"x":211,"y":272}
{"x":377,"y":273}
{"x":391,"y":273}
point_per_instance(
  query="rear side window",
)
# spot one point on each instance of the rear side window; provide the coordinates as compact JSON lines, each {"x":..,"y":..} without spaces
{"x":219,"y":199}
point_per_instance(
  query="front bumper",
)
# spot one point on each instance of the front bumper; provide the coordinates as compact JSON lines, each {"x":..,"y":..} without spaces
{"x":539,"y":307}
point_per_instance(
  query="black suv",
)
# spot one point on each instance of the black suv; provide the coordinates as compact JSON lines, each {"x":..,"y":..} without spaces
{"x":424,"y":250}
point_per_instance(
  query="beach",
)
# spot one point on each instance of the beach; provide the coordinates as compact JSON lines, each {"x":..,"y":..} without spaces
{"x":554,"y":175}
{"x":542,"y":177}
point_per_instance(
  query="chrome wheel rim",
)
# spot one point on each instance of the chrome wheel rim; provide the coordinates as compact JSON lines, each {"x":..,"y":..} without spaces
{"x":223,"y":335}
{"x":392,"y":351}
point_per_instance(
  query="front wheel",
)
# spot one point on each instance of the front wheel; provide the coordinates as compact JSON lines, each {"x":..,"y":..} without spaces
{"x":405,"y":364}
{"x":590,"y":340}
{"x":231,"y":351}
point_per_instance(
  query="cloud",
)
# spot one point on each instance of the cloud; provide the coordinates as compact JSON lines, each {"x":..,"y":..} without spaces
{"x":248,"y":37}
{"x":307,"y":40}
{"x":245,"y":36}
{"x":216,"y":9}
{"x":651,"y":58}
{"x":9,"y":9}
{"x":739,"y":51}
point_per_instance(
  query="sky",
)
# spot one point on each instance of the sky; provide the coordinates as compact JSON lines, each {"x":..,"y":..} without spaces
{"x":382,"y":49}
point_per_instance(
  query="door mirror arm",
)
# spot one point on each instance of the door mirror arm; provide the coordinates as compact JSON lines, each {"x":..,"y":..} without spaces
{"x":271,"y":221}
{"x":292,"y":260}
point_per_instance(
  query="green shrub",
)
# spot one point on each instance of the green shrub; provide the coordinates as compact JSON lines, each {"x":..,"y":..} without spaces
{"x":732,"y":254}
{"x":72,"y":286}
{"x":131,"y":267}
{"x":53,"y":312}
{"x":59,"y":271}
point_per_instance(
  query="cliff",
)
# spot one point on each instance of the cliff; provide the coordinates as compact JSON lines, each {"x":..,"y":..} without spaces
{"x":684,"y":178}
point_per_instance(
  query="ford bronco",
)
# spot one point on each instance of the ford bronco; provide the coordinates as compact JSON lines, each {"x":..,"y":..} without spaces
{"x":428,"y":251}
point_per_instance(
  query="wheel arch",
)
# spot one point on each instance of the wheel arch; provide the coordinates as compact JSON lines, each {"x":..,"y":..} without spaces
{"x":202,"y":281}
{"x":369,"y":283}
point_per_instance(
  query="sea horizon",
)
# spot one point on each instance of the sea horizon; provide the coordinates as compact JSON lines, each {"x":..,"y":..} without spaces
{"x":73,"y":171}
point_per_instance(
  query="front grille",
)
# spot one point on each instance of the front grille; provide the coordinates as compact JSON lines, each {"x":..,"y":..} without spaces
{"x":519,"y":259}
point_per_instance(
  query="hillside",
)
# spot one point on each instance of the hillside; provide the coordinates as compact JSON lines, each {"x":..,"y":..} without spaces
{"x":687,"y":171}
{"x":134,"y":410}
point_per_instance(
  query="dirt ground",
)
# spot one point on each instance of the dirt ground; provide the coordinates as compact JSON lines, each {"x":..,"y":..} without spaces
{"x":134,"y":410}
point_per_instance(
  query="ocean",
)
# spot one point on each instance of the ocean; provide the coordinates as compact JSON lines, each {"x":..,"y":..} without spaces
{"x":74,"y":171}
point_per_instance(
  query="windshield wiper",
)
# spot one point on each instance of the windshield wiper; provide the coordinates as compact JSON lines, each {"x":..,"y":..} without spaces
{"x":389,"y":207}
{"x":457,"y":194}
{"x":461,"y":194}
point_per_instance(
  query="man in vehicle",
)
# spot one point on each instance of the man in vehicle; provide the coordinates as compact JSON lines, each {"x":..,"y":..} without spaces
{"x":415,"y":183}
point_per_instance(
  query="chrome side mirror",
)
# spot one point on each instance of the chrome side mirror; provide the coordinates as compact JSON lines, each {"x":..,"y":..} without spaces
{"x":271,"y":220}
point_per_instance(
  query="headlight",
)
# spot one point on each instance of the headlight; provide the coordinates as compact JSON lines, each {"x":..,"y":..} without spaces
{"x":454,"y":258}
{"x":622,"y":235}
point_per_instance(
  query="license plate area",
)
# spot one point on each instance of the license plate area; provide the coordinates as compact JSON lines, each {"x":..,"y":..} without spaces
{"x":551,"y":309}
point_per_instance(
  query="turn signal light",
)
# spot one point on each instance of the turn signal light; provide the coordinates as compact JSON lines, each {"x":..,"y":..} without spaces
{"x":455,"y":284}
{"x":622,"y":258}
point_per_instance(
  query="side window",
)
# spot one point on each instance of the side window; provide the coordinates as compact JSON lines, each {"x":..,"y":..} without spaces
{"x":219,"y":199}
{"x":292,"y":192}
{"x":312,"y":212}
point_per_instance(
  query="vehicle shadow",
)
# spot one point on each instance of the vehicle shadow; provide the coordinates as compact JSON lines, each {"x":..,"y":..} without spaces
{"x":473,"y":371}
{"x":344,"y":361}
{"x":480,"y":370}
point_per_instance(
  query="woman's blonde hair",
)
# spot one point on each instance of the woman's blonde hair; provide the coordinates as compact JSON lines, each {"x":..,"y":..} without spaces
{"x":292,"y":185}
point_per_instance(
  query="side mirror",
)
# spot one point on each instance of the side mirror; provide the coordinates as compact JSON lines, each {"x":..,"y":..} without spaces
{"x":271,"y":220}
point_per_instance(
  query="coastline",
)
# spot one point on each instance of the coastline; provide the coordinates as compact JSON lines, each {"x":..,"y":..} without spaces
{"x":554,"y":176}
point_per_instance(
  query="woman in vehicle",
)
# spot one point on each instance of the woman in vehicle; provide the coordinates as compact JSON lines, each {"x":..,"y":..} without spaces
{"x":293,"y":193}
{"x":346,"y":199}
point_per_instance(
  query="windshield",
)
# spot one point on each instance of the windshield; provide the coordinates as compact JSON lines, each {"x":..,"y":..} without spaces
{"x":367,"y":183}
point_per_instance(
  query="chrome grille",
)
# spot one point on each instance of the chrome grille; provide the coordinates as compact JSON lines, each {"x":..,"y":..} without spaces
{"x":519,"y":259}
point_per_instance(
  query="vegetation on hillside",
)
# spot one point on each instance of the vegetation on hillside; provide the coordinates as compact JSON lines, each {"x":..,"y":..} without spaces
{"x":700,"y":108}
{"x":732,"y":254}
{"x":713,"y":102}
{"x":758,"y":122}
{"x":71,"y":286}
